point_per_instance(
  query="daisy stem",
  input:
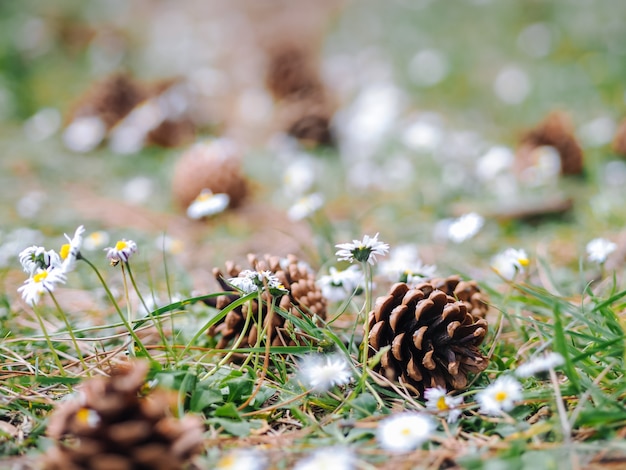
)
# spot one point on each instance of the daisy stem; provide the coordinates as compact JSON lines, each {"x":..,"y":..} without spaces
{"x":367,"y":271}
{"x":156,"y":322}
{"x":128,"y":326}
{"x":70,"y":330}
{"x":42,"y":325}
{"x":129,"y":311}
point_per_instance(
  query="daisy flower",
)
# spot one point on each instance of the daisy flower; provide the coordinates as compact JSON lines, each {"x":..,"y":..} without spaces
{"x":242,"y":460}
{"x":362,"y":250}
{"x":122,"y":251}
{"x":42,"y":281}
{"x":499,"y":396}
{"x":36,"y":257}
{"x":207,"y":204}
{"x":305,"y":206}
{"x":70,"y":252}
{"x":438,"y":400}
{"x":95,"y":240}
{"x":87,"y":417}
{"x":599,"y":248}
{"x":339,"y":285}
{"x":404,"y":432}
{"x":253,"y":281}
{"x":540,"y":364}
{"x":331,"y":458}
{"x":465,"y":227}
{"x":321,"y":373}
{"x":404,"y":265}
{"x":510,"y":262}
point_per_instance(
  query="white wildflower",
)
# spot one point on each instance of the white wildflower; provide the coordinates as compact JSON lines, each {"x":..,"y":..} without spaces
{"x":44,"y":280}
{"x":465,"y":227}
{"x":254,"y":281}
{"x":339,"y":285}
{"x":207,"y":204}
{"x":321,"y":373}
{"x":305,"y":206}
{"x":70,"y":252}
{"x":404,"y":432}
{"x":246,"y":459}
{"x":36,"y":257}
{"x":510,"y":262}
{"x":499,"y":396}
{"x":599,"y":248}
{"x":331,"y":458}
{"x":405,"y":265}
{"x":540,"y":364}
{"x":438,"y":400}
{"x":362,"y":250}
{"x":95,"y":240}
{"x":122,"y":251}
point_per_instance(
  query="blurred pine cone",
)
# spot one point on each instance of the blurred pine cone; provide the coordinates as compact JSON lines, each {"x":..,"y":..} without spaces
{"x":555,"y":131}
{"x":466,"y":292}
{"x":214,"y":165}
{"x":292,"y":73}
{"x":304,"y":108}
{"x":304,"y":297}
{"x":434,"y":339}
{"x":110,"y":426}
{"x":110,"y":99}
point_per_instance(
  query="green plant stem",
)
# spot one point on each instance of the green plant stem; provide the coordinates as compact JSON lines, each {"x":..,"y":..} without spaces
{"x":367,"y":272}
{"x":42,"y":325}
{"x":157,"y":324}
{"x":127,"y":325}
{"x":129,"y":311}
{"x":70,"y":331}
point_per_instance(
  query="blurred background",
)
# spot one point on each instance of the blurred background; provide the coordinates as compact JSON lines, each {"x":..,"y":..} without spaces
{"x":406,"y":112}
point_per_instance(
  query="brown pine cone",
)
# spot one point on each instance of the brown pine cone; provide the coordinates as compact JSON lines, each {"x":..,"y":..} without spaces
{"x":111,"y":99}
{"x":303,"y":297}
{"x":214,"y":165}
{"x":466,"y":292}
{"x":110,"y":426}
{"x":292,"y":73}
{"x":555,"y":131}
{"x":434,"y":339}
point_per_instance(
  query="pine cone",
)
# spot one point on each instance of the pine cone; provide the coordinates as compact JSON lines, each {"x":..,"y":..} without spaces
{"x":466,"y":292}
{"x":293,"y":74}
{"x":111,"y":427}
{"x":304,"y":297}
{"x":214,"y":165}
{"x":308,"y":121}
{"x":434,"y":340}
{"x":555,"y":131}
{"x":111,"y":99}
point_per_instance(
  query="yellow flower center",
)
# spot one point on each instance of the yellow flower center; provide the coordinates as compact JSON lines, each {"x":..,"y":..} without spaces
{"x":65,"y":251}
{"x":441,"y":404}
{"x":405,"y":432}
{"x":120,"y":245}
{"x":39,"y":277}
{"x":500,"y":396}
{"x":228,"y":461}
{"x":204,"y":196}
{"x":523,"y":261}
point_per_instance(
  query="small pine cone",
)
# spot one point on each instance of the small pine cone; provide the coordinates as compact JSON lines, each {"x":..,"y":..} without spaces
{"x":111,"y":99}
{"x":304,"y":297}
{"x":308,"y":121}
{"x":293,"y":74}
{"x":555,"y":131}
{"x":110,"y":426}
{"x":619,"y":140}
{"x":434,"y":339}
{"x":214,"y":165}
{"x":466,"y":292}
